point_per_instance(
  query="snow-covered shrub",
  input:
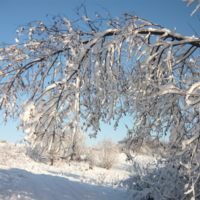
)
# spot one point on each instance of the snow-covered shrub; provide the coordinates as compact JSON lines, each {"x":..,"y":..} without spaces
{"x":92,"y":156}
{"x":166,"y":180}
{"x":36,"y":153}
{"x":108,"y":153}
{"x":105,"y":154}
{"x":79,"y":146}
{"x":13,"y":154}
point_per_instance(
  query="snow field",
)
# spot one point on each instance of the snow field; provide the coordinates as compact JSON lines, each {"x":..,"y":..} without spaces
{"x":23,"y":178}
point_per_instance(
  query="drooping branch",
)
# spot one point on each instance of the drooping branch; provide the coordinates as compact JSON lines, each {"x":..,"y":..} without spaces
{"x":132,"y":67}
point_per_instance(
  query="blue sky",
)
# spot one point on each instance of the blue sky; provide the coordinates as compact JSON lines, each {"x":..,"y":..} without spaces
{"x":168,"y":13}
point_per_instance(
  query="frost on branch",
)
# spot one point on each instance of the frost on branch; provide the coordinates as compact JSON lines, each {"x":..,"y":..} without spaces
{"x":190,"y":2}
{"x":107,"y":69}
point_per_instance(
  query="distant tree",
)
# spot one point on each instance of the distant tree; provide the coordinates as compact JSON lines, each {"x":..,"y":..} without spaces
{"x":101,"y":70}
{"x":61,"y":148}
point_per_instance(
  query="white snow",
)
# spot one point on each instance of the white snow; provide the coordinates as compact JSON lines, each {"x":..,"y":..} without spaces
{"x":23,"y":178}
{"x":85,"y":18}
{"x":16,"y":40}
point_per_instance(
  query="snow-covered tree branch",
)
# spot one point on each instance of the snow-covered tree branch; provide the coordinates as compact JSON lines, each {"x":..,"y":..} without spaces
{"x":110,"y":67}
{"x":190,"y":2}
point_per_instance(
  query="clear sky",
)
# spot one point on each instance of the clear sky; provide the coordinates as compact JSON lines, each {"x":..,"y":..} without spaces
{"x":168,"y":13}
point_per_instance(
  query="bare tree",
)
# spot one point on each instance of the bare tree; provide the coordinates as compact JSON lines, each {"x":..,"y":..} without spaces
{"x":102,"y":71}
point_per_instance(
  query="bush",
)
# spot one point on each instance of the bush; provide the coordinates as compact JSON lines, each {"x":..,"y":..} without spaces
{"x":108,"y":153}
{"x":13,"y":154}
{"x":105,"y":154}
{"x":165,"y":181}
{"x":36,"y":153}
{"x":91,"y":157}
{"x":79,"y":146}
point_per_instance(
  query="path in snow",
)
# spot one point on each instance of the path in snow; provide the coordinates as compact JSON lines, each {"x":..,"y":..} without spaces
{"x":21,"y":184}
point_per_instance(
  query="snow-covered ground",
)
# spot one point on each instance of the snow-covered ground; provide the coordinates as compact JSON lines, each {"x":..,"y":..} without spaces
{"x":23,"y":178}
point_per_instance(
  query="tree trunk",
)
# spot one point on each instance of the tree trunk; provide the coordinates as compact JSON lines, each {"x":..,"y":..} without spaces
{"x":51,"y":159}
